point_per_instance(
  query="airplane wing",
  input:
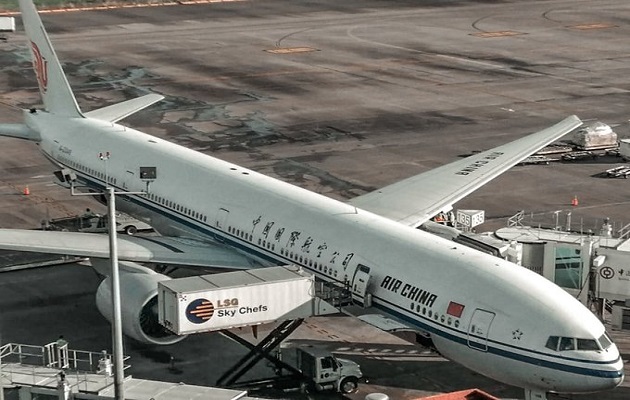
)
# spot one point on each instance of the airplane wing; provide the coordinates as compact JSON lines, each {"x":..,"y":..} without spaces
{"x":118,"y":111}
{"x":415,"y":200}
{"x":154,"y":249}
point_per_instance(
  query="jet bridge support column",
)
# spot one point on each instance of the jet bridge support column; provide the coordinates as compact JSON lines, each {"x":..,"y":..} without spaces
{"x":258,"y":352}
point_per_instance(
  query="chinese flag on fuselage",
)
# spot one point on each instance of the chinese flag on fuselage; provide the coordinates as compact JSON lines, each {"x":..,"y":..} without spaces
{"x":455,"y":309}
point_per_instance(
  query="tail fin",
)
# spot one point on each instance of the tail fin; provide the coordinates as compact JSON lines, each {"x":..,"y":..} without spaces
{"x":53,"y":85}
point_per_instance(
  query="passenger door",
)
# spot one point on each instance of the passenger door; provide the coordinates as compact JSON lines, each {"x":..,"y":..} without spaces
{"x":479,"y":328}
{"x":360,"y":282}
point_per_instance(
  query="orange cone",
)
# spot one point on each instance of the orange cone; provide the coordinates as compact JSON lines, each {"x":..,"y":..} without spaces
{"x":574,"y":202}
{"x":26,"y":191}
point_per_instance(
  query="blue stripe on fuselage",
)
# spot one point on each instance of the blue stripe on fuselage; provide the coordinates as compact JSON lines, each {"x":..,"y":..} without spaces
{"x":382,"y":304}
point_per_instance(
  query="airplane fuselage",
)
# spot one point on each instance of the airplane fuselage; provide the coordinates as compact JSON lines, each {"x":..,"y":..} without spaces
{"x":482,"y":312}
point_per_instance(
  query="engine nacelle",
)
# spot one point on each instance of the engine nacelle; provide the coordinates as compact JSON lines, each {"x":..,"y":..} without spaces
{"x":139,"y":307}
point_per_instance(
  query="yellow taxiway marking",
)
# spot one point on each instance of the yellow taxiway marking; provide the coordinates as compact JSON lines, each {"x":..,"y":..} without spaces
{"x":496,"y":34}
{"x":291,"y":50}
{"x":596,"y":25}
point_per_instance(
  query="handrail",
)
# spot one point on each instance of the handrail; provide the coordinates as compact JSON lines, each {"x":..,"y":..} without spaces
{"x":80,"y":360}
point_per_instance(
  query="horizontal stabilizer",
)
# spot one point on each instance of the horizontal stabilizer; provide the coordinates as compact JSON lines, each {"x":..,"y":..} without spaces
{"x":155,"y":249}
{"x":118,"y":111}
{"x":19,"y":131}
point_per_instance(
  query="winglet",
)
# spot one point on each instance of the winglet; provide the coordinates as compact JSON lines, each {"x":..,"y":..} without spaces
{"x":53,"y":85}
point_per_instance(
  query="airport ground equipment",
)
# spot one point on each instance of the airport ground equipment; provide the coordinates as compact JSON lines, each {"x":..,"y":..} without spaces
{"x":326,"y":371}
{"x":32,"y":372}
{"x":555,"y":149}
{"x":305,"y":368}
{"x":536,"y":159}
{"x":580,"y":155}
{"x":597,"y":135}
{"x":621,"y":171}
{"x":624,"y":149}
{"x":7,"y":25}
{"x":229,"y":300}
{"x":94,"y":223}
{"x":234,"y":299}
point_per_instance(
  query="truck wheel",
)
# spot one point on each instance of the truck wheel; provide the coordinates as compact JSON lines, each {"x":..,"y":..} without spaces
{"x":131,"y":230}
{"x":349,"y":385}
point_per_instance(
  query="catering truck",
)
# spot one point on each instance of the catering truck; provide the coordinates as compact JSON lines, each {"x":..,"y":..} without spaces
{"x":323,"y":371}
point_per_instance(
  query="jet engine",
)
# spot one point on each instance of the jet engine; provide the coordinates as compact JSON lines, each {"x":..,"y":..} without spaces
{"x":139,"y":307}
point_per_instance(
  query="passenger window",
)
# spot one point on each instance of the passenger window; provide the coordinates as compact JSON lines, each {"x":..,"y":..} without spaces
{"x":552,"y":343}
{"x":587,"y":344}
{"x":567,"y":344}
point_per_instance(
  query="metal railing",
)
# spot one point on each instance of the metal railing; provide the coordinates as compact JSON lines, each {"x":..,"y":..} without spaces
{"x":53,"y":356}
{"x":566,"y":221}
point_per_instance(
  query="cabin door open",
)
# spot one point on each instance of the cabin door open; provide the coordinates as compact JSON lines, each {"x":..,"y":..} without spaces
{"x":360,"y":284}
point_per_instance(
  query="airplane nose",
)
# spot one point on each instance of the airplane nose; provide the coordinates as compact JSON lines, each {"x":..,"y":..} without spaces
{"x":619,"y":380}
{"x":620,"y":374}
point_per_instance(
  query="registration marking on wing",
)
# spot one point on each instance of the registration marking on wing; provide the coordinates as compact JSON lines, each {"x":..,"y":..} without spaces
{"x":475,"y":165}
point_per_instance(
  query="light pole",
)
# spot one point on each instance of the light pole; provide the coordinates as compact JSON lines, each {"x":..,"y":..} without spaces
{"x":147,"y":174}
{"x":117,"y":338}
{"x":119,"y":376}
{"x":1,"y":377}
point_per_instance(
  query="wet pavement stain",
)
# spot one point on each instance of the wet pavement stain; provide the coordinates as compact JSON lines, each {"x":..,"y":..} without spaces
{"x":190,"y":122}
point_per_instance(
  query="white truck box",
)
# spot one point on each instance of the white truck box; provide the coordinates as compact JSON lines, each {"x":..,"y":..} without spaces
{"x":232,"y":299}
{"x":624,"y":149}
{"x":7,"y":24}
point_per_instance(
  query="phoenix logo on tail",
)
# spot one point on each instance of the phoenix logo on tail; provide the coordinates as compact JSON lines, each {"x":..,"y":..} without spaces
{"x":41,"y":67}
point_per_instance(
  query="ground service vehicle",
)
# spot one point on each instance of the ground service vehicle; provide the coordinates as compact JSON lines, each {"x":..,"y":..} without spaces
{"x":94,"y":223}
{"x":326,"y":371}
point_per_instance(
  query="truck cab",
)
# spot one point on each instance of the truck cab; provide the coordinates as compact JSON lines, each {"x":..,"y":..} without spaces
{"x":328,"y":372}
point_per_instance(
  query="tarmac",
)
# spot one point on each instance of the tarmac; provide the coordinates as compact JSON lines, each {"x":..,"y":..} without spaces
{"x":337,"y":97}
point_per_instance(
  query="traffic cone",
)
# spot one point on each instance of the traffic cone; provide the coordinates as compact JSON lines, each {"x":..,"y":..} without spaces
{"x":574,"y":202}
{"x":26,"y":191}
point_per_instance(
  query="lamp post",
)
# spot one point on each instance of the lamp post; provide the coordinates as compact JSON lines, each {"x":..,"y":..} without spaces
{"x":119,"y":376}
{"x":117,"y":339}
{"x":147,"y":174}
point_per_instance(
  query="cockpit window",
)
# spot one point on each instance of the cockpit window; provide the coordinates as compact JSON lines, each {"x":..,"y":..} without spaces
{"x":605,"y":341}
{"x":566,"y":344}
{"x":587,"y":344}
{"x":559,"y":343}
{"x":552,"y":342}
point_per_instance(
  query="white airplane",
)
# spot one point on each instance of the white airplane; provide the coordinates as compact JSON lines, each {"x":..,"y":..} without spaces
{"x":489,"y":315}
